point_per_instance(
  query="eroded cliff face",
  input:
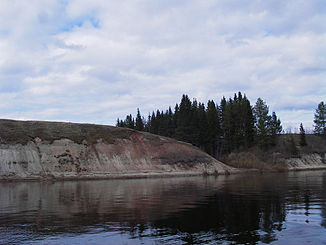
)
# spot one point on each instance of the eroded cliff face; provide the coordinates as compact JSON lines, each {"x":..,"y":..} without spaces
{"x":66,"y":150}
{"x":307,"y":161}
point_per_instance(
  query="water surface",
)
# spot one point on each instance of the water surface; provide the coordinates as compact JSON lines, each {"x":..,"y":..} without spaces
{"x":287,"y":208}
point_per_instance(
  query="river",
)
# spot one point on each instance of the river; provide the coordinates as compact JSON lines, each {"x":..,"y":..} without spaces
{"x":280,"y":208}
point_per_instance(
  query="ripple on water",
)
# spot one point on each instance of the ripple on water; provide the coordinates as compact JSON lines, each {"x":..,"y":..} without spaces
{"x":285,"y":208}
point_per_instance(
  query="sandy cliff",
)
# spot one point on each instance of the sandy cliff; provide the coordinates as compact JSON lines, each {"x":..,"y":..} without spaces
{"x":32,"y":150}
{"x":307,"y":162}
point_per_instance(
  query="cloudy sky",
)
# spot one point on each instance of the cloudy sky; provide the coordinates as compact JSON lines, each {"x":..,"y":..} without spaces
{"x":97,"y":60}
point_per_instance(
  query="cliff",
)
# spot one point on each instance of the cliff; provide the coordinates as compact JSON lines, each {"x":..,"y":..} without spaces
{"x":307,"y":162}
{"x":36,"y":150}
{"x":287,"y":154}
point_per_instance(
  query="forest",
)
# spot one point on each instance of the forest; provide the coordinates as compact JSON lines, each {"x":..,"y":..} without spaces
{"x":233,"y":124}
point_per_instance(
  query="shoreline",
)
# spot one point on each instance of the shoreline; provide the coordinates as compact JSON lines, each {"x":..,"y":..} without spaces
{"x":139,"y":175}
{"x":145,"y":175}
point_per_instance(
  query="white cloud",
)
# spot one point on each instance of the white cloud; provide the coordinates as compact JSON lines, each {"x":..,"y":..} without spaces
{"x":94,"y":61}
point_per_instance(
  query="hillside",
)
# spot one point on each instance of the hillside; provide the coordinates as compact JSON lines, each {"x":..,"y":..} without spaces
{"x":34,"y":150}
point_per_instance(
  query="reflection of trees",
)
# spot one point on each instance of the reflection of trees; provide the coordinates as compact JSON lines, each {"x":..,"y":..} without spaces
{"x":229,"y":217}
{"x":239,"y":209}
{"x":323,"y":201}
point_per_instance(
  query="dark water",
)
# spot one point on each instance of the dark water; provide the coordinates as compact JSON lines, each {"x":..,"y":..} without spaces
{"x":243,"y":209}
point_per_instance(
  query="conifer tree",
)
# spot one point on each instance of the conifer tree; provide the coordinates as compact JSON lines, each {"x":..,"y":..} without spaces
{"x":202,"y":127}
{"x":158,"y":122}
{"x":237,"y":122}
{"x":184,"y":116}
{"x":262,"y":123}
{"x":193,"y":124}
{"x":275,"y":127}
{"x":139,"y":121}
{"x":118,"y":123}
{"x":171,"y":124}
{"x":227,"y":124}
{"x":129,"y":122}
{"x":213,"y":128}
{"x":248,"y":122}
{"x":147,"y":124}
{"x":320,"y":119}
{"x":153,"y":124}
{"x":303,"y":141}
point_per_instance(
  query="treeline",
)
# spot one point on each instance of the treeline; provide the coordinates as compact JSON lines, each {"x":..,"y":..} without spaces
{"x":234,"y":124}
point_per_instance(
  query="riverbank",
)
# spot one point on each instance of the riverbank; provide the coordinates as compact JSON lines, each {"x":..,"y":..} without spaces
{"x":53,"y":150}
{"x":286,"y":155}
{"x":139,"y":175}
{"x":31,"y":150}
{"x":307,"y":162}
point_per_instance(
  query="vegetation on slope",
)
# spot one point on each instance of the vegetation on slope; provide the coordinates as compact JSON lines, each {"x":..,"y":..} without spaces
{"x":234,"y":131}
{"x":232,"y":125}
{"x":20,"y":132}
{"x":274,"y":158}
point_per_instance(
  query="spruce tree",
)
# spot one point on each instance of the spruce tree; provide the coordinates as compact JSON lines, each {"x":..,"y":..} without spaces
{"x":153,"y":124}
{"x":184,"y":116}
{"x":248,"y":122}
{"x":262,"y":123}
{"x":139,"y":122}
{"x":194,"y":136}
{"x":227,"y":124}
{"x":320,"y":119}
{"x":202,"y":127}
{"x":147,"y":124}
{"x":275,"y":127}
{"x":129,"y":122}
{"x":158,"y":122}
{"x":118,"y":123}
{"x":213,"y":128}
{"x":170,"y":123}
{"x":303,"y":141}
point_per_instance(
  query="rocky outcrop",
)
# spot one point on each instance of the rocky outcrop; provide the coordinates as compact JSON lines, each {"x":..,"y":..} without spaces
{"x":34,"y":150}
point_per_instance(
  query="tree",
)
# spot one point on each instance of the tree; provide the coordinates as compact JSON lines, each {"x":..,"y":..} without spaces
{"x":303,"y":141}
{"x":202,"y":125}
{"x":246,"y":121}
{"x":139,"y":122}
{"x":320,"y":119}
{"x":262,"y":123}
{"x":171,"y":123}
{"x":120,"y":123}
{"x":184,"y":119}
{"x":237,"y":123}
{"x":129,"y":122}
{"x":228,"y":120}
{"x":213,"y":127}
{"x":275,"y":127}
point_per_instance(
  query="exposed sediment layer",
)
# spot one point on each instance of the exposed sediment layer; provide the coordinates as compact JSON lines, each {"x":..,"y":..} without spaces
{"x":36,"y":150}
{"x":307,"y":162}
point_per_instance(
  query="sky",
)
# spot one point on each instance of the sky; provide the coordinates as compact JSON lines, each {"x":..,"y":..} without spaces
{"x":95,"y":61}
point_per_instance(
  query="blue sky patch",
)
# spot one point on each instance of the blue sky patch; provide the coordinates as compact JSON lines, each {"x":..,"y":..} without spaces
{"x":79,"y":22}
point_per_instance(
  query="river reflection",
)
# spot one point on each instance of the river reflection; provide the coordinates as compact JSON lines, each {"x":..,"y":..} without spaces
{"x":288,"y":208}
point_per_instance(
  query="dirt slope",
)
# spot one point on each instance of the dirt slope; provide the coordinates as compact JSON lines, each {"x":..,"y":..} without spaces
{"x":32,"y":150}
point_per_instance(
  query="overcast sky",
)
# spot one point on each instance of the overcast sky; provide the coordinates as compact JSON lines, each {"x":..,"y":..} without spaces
{"x":97,"y":60}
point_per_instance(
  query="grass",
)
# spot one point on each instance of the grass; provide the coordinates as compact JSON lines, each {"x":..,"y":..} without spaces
{"x":20,"y":132}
